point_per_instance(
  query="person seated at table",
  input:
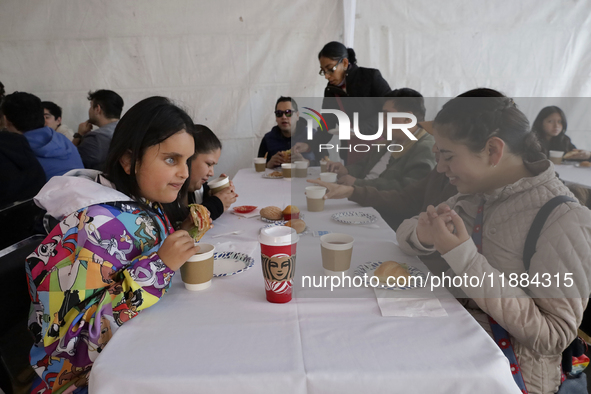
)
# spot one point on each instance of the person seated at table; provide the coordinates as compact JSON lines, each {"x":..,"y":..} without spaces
{"x":53,"y":118}
{"x":23,"y":114}
{"x":21,"y":176}
{"x":104,"y":112}
{"x":550,"y":127}
{"x":113,"y":253}
{"x":290,"y":129}
{"x":396,"y":205}
{"x":208,"y":149}
{"x":386,"y":170}
{"x":503,"y":179}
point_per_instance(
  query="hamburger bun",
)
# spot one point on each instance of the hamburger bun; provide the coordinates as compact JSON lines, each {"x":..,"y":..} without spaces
{"x":585,"y":164}
{"x":297,"y":224}
{"x":291,"y":212}
{"x":272,"y":213}
{"x":200,"y":216}
{"x":390,"y":268}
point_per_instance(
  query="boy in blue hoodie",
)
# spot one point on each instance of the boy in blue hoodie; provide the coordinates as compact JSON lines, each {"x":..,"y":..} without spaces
{"x":23,"y":114}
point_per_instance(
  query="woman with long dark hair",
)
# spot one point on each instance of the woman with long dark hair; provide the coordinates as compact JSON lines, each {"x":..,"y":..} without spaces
{"x":550,"y":127}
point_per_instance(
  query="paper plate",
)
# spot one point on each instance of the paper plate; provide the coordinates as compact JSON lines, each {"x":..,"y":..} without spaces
{"x":354,"y":217}
{"x":269,"y":176}
{"x":230,"y":263}
{"x":272,"y":221}
{"x":369,"y":269}
{"x":283,"y":223}
{"x":245,"y":209}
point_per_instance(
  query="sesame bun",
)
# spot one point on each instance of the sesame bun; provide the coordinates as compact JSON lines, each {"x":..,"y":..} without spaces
{"x":390,"y":268}
{"x":272,"y":213}
{"x":297,"y":224}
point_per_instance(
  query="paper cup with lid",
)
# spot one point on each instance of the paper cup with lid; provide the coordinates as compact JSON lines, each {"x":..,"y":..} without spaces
{"x":278,"y":258}
{"x":218,"y":184}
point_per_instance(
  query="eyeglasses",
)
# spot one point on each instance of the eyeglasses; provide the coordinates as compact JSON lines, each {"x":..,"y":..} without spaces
{"x":287,"y":112}
{"x":323,"y":72}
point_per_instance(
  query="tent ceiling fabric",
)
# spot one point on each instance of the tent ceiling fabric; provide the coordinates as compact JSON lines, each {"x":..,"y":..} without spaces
{"x":228,"y":61}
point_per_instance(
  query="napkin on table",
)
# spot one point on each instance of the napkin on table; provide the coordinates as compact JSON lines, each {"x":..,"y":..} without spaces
{"x":408,"y":307}
{"x":256,"y":212}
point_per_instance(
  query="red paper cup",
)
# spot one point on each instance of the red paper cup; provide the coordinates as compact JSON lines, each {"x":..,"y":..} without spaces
{"x":278,"y":257}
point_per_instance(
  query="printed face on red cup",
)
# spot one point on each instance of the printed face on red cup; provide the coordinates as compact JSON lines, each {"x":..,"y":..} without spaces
{"x":278,"y":256}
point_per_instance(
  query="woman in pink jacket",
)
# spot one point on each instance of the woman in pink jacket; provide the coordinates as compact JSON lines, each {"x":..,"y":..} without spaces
{"x":488,"y":153}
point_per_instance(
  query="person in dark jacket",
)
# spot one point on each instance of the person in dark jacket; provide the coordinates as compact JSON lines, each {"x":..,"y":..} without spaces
{"x":21,"y":176}
{"x":346,"y":80}
{"x":290,"y":129}
{"x":208,"y":149}
{"x":393,"y":170}
{"x":550,"y":127}
{"x":23,"y":114}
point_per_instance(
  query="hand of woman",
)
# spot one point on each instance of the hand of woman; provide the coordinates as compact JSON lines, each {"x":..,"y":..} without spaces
{"x":579,"y":154}
{"x":426,"y":232}
{"x":176,"y":249}
{"x":346,"y":180}
{"x":227,"y":196}
{"x":334,"y":191}
{"x":337,"y":167}
{"x":445,"y":240}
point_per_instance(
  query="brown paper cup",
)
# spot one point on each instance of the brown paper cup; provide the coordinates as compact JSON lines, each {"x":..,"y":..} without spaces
{"x":197,"y":272}
{"x":260,"y":163}
{"x":336,"y":252}
{"x":286,"y":169}
{"x":315,"y":204}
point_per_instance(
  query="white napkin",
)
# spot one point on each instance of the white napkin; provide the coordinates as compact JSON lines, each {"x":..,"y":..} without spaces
{"x":256,"y":212}
{"x":248,"y":248}
{"x":408,"y":307}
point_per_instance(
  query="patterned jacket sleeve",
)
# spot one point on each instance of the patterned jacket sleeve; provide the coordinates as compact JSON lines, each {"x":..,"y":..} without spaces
{"x":96,"y":270}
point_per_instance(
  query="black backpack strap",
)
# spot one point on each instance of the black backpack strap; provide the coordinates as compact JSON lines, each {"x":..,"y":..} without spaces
{"x":536,"y":227}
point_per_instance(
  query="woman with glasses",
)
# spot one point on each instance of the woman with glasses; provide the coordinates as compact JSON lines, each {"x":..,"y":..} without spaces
{"x":338,"y":65}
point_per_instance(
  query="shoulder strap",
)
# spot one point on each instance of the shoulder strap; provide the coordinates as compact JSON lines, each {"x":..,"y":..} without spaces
{"x":536,"y":227}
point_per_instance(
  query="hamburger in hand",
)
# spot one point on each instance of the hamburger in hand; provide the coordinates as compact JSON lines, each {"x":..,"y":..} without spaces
{"x":200,"y":216}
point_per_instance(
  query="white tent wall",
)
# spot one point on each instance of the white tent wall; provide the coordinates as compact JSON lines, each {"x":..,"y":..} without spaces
{"x":524,"y":48}
{"x":228,"y":61}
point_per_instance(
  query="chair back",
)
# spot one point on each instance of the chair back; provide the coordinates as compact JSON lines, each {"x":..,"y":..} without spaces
{"x":18,"y":221}
{"x":15,"y":303}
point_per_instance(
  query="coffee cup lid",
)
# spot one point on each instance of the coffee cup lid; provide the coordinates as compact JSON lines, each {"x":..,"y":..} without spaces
{"x":286,"y":165}
{"x":218,"y":182}
{"x":260,"y":160}
{"x":278,"y":236}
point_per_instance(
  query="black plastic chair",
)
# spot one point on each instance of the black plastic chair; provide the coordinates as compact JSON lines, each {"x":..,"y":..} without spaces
{"x":15,"y":302}
{"x":18,"y":221}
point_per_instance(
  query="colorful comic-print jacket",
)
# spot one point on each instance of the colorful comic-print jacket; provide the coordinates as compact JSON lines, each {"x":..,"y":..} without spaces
{"x":96,"y":270}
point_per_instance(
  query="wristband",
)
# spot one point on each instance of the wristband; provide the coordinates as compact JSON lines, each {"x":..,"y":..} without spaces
{"x":77,"y":135}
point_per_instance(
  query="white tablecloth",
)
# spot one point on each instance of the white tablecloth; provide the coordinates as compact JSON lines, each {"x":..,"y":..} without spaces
{"x":229,"y":339}
{"x":570,"y":173}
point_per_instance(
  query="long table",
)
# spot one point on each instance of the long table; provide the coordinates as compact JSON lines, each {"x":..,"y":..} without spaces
{"x":579,"y":175}
{"x":229,"y":339}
